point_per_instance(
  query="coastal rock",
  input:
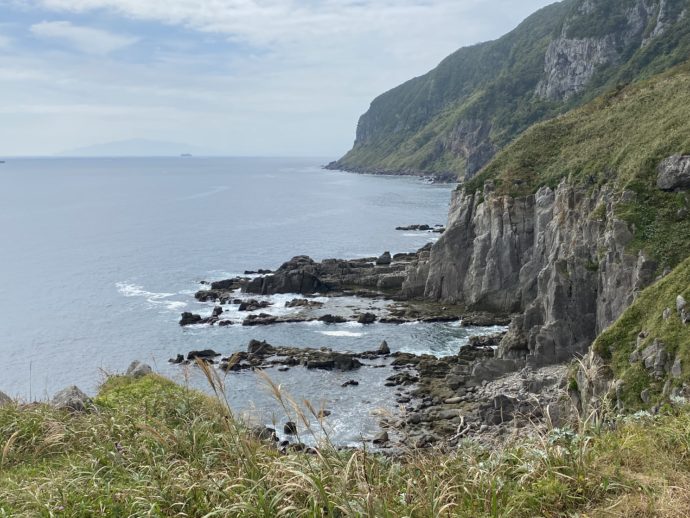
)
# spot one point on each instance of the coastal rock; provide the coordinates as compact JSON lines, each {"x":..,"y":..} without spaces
{"x":256,"y":347}
{"x":217,"y":311}
{"x":303,"y":303}
{"x":381,"y":438}
{"x":290,"y":428}
{"x":72,"y":399}
{"x":333,"y":361}
{"x":253,"y":305}
{"x":189,"y":319}
{"x":263,"y":433}
{"x":383,"y":349}
{"x":674,"y":173}
{"x":262,"y":319}
{"x":177,"y":360}
{"x":332,"y":319}
{"x":137,"y":369}
{"x":366,"y":318}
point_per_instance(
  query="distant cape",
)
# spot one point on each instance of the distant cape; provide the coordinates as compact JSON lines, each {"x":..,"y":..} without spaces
{"x":139,"y":148}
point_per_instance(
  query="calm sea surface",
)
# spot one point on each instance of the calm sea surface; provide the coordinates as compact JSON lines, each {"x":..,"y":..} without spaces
{"x":98,"y":258}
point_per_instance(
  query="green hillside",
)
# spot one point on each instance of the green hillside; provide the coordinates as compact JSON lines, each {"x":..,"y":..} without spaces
{"x":452,"y":120}
{"x":619,"y":139}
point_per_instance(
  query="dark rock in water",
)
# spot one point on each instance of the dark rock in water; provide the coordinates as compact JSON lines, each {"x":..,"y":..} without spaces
{"x":332,"y":319}
{"x":217,"y":311}
{"x":323,"y":413}
{"x":303,"y":303}
{"x":73,"y":399}
{"x":384,"y":349}
{"x":333,"y":361}
{"x":189,"y":319}
{"x":258,"y":272}
{"x":350,"y":383}
{"x":486,"y":340}
{"x":177,"y":360}
{"x":137,"y":369}
{"x":224,"y":323}
{"x":381,"y":438}
{"x":366,"y":318}
{"x":253,"y":305}
{"x":206,"y":354}
{"x":290,"y":428}
{"x":414,"y":227}
{"x":262,"y":319}
{"x":283,"y":369}
{"x":385,"y":259}
{"x":256,"y":347}
{"x":674,"y":173}
{"x":236,"y":362}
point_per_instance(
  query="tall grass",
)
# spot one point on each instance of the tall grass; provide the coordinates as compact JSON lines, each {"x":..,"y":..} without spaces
{"x":153,"y":448}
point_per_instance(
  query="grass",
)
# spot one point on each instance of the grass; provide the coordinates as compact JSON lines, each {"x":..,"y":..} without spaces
{"x":153,"y":448}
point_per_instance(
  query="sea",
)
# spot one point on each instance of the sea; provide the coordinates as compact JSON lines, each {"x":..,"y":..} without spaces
{"x":99,"y":257}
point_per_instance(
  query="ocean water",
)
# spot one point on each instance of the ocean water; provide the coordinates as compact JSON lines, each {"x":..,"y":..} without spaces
{"x":100,"y":256}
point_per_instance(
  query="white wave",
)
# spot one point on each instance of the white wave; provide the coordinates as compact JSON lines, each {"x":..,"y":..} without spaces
{"x":155,"y":299}
{"x":342,"y":334}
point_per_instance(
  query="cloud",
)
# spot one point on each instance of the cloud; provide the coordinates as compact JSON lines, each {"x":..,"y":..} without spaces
{"x":5,"y":42}
{"x":85,"y":39}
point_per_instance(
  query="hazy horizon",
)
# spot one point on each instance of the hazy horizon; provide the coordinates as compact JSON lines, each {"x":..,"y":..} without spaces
{"x":241,"y":78}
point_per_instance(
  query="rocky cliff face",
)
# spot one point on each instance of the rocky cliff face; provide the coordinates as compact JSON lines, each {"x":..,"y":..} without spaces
{"x":556,"y":258}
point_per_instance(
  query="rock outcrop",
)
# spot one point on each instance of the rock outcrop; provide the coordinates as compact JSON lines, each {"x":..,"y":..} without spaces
{"x":558,"y":258}
{"x":674,"y":173}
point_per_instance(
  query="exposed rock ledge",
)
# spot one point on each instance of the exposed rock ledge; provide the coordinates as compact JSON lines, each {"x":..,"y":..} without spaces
{"x":558,"y":258}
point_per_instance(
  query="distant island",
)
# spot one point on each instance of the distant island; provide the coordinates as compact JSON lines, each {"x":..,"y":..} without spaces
{"x":139,"y":148}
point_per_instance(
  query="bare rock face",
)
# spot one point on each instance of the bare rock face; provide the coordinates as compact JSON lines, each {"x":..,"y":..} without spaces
{"x":571,"y":60}
{"x":674,"y":173}
{"x":546,"y":257}
{"x":571,"y":63}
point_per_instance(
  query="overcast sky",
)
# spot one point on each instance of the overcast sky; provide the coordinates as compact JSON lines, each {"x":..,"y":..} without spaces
{"x":243,"y":77}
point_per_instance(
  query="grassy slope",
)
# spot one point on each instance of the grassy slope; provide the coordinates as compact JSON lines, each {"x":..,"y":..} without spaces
{"x":617,"y":343}
{"x":405,"y":128}
{"x":157,"y":449}
{"x":618,"y":138}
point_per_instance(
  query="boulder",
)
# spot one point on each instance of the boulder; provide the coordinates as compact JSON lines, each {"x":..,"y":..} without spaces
{"x":189,"y":319}
{"x":384,"y":260}
{"x":350,"y":383}
{"x":674,"y":173}
{"x":655,"y":359}
{"x":680,"y":304}
{"x":217,"y":311}
{"x":73,"y":399}
{"x":137,"y":369}
{"x":262,"y":319}
{"x":290,"y":428}
{"x":206,"y":355}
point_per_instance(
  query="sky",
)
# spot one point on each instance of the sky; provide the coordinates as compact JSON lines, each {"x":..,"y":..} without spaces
{"x":239,"y":77}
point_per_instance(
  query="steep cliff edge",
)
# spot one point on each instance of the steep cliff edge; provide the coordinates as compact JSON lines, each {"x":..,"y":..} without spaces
{"x":569,"y":223}
{"x":453,"y":120}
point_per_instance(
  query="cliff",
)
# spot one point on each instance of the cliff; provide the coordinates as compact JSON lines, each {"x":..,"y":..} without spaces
{"x":568,"y":224}
{"x":451,"y":121}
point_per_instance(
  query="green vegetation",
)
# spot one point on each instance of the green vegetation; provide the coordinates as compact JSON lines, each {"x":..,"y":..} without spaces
{"x":646,"y":315}
{"x":415,"y":126}
{"x":151,"y":448}
{"x":618,"y":140}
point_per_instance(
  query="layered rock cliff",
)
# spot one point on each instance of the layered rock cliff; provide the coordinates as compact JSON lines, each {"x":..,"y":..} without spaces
{"x":557,"y":258}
